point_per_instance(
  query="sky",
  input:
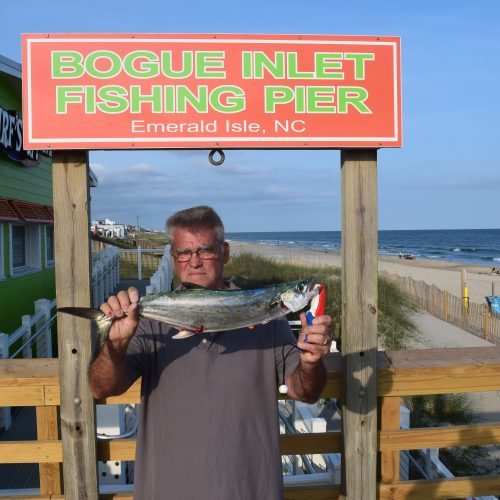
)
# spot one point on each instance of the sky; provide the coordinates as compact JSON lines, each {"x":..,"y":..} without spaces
{"x":446,"y":175}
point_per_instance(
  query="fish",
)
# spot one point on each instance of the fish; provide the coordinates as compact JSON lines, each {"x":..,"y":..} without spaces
{"x":200,"y":310}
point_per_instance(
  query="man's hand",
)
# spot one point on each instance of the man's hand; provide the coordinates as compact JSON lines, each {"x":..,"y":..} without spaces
{"x":307,"y":381}
{"x":122,"y":308}
{"x":107,"y":374}
{"x":314,"y":340}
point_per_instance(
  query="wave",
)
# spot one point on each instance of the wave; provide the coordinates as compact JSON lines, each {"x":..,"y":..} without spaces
{"x":480,"y":247}
{"x":467,"y":250}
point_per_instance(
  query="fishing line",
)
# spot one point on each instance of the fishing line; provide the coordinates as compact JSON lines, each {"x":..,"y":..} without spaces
{"x":283,"y":389}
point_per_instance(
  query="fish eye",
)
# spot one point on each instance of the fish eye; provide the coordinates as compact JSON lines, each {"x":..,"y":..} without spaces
{"x":300,"y":287}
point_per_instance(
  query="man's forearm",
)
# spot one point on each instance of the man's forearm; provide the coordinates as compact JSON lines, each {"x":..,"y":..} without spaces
{"x":307,"y":382}
{"x":107,"y":374}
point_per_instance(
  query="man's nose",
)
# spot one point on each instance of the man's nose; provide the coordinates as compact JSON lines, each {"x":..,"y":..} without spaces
{"x":195,"y":260}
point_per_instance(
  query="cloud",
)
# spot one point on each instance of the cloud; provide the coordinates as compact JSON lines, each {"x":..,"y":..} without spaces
{"x":154,"y":188}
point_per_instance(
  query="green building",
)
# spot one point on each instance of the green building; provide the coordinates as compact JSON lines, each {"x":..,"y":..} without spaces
{"x":26,"y":214}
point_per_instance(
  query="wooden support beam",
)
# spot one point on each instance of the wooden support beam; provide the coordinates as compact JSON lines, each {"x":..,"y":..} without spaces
{"x":47,"y":428}
{"x":457,"y":487}
{"x":70,"y":173}
{"x":390,"y":420}
{"x":359,"y":323}
{"x":439,"y":437}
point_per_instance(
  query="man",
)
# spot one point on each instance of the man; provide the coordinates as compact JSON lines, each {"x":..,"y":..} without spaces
{"x":209,"y":418}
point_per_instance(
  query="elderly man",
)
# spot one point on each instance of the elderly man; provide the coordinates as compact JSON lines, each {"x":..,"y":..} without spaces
{"x":209,"y":419}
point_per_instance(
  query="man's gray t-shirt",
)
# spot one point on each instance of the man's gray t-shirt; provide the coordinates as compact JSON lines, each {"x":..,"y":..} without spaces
{"x":209,"y":419}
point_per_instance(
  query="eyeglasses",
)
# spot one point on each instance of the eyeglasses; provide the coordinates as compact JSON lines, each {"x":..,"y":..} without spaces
{"x":203,"y":253}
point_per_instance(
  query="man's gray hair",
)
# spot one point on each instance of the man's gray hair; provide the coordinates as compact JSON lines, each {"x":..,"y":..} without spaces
{"x":200,"y":217}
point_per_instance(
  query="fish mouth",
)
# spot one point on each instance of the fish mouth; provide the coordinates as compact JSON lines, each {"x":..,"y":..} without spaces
{"x":283,"y":309}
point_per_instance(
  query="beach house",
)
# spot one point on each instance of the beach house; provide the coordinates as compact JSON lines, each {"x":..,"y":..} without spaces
{"x":26,"y":212}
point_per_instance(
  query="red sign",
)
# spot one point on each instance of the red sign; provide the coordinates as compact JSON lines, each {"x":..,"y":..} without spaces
{"x":210,"y":91}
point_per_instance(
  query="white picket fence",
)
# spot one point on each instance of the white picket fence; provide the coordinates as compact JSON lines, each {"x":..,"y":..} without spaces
{"x":105,"y":274}
{"x":161,"y":281}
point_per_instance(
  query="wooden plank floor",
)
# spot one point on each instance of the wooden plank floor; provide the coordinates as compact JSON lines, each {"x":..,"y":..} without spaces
{"x":14,"y":476}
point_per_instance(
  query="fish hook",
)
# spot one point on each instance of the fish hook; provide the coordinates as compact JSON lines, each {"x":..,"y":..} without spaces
{"x":221,"y":159}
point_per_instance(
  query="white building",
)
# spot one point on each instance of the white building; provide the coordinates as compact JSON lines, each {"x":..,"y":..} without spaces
{"x":109,"y":229}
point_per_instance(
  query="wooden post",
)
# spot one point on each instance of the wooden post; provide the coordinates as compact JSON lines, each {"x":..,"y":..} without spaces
{"x":47,"y":428}
{"x":73,"y":277}
{"x":486,"y":317}
{"x":390,"y":421}
{"x":359,"y":323}
{"x":465,"y":292}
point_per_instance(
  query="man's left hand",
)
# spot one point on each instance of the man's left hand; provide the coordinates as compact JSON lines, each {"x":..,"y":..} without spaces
{"x":314,"y":340}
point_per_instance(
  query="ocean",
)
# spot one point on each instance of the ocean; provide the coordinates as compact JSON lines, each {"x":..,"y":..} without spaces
{"x":472,"y":246}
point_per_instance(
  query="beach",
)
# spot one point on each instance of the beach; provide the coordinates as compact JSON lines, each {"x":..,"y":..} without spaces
{"x":446,"y":275}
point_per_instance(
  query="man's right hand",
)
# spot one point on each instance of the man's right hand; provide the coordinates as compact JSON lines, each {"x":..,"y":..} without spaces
{"x":122,"y":308}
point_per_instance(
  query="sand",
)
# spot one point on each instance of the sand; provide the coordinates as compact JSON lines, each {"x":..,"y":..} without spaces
{"x":444,"y":274}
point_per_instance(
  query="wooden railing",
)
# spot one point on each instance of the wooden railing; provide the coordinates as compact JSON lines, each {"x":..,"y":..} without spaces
{"x":34,"y":382}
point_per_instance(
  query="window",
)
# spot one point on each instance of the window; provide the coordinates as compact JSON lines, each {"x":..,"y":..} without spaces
{"x":49,"y":245}
{"x":25,"y":255}
{"x":18,"y":246}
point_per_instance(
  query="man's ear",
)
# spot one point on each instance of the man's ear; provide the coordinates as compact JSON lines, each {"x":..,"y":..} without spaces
{"x":226,"y":252}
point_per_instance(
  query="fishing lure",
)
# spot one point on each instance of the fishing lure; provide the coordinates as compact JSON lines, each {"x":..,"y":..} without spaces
{"x":318,"y":304}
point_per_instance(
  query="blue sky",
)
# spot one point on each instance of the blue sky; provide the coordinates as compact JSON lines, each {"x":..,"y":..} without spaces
{"x":447,"y":175}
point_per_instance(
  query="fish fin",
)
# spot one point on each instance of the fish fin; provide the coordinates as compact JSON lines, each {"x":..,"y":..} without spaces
{"x":192,"y":286}
{"x":100,"y":319}
{"x":183,"y":334}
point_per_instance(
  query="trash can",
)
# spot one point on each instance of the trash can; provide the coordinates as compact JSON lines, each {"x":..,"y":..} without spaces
{"x":494,"y":304}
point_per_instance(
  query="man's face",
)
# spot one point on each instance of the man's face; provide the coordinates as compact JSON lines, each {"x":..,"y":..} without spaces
{"x":207,"y":273}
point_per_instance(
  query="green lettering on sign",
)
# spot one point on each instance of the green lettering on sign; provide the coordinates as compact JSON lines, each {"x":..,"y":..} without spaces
{"x":67,"y":64}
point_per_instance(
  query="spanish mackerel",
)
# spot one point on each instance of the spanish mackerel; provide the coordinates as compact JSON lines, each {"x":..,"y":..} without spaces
{"x":201,"y":310}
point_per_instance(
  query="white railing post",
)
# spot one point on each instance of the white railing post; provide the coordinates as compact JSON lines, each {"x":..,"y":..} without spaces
{"x":139,"y":262}
{"x":5,"y":416}
{"x":155,"y":283}
{"x":115,"y":262}
{"x":26,"y":323}
{"x":117,"y":278}
{"x":43,"y":340}
{"x":97,"y":288}
{"x":106,"y":275}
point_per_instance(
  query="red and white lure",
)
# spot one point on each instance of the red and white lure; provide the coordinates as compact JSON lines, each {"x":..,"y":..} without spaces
{"x":318,"y":304}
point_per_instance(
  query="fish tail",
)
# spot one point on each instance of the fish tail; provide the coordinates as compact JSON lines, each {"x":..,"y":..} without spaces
{"x":102,"y":321}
